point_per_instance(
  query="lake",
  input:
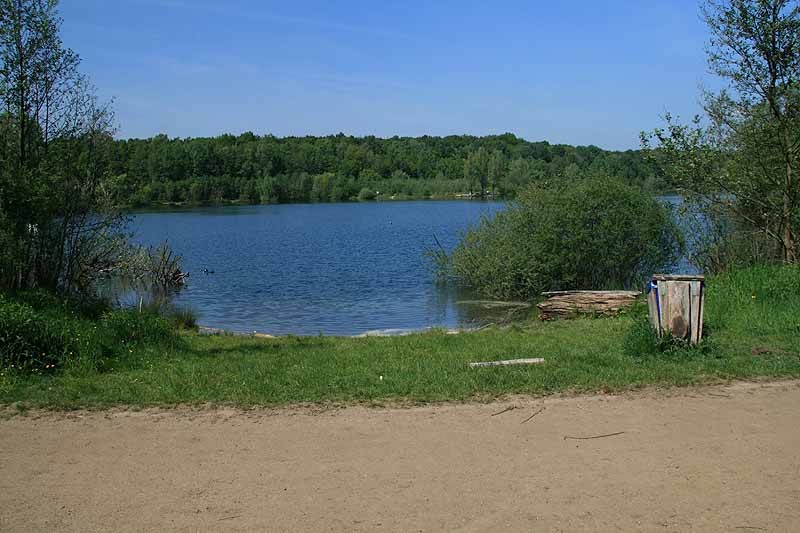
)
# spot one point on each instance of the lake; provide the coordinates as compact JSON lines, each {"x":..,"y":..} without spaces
{"x":335,"y":269}
{"x":306,"y":269}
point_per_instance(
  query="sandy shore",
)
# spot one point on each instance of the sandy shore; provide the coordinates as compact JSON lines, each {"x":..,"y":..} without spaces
{"x":723,"y":458}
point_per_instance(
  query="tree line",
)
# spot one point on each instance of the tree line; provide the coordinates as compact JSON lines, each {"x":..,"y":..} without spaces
{"x":266,"y":169}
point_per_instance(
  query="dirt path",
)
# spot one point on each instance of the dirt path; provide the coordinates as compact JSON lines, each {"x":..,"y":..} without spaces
{"x":712,"y":459}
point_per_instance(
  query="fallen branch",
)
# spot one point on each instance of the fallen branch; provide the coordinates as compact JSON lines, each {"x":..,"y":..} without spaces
{"x":507,"y":409}
{"x":534,"y":414}
{"x":534,"y":361}
{"x":594,"y":436}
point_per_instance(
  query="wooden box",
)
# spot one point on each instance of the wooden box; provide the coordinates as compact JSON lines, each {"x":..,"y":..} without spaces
{"x":676,"y":304}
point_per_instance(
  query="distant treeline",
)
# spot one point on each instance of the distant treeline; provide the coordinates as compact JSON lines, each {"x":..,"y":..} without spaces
{"x":267,"y":169}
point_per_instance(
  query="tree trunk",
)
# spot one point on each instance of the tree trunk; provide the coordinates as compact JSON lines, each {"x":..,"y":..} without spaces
{"x":789,"y":243}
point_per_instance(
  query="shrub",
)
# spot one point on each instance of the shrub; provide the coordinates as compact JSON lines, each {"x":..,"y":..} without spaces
{"x":31,"y":339}
{"x":366,"y":194}
{"x":50,"y":335}
{"x":80,"y":305}
{"x":592,"y":234}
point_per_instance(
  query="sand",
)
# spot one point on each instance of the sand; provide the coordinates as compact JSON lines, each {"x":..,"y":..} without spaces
{"x":722,"y":458}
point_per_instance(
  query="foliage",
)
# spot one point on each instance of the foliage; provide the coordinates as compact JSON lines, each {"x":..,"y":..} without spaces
{"x":38,"y":334}
{"x":590,"y":234}
{"x":366,"y":194}
{"x":266,"y":169}
{"x":743,"y":167}
{"x":56,"y":229}
{"x":31,"y":340}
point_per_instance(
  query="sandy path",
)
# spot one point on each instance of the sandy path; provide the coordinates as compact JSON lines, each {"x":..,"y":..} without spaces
{"x":712,"y":459}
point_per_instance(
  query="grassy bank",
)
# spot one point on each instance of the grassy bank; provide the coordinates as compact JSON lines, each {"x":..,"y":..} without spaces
{"x":749,"y":311}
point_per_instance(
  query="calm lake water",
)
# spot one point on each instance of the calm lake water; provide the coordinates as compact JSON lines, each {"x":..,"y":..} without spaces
{"x":337,"y":269}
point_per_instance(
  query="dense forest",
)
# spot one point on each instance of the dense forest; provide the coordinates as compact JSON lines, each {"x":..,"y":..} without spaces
{"x":267,"y":169}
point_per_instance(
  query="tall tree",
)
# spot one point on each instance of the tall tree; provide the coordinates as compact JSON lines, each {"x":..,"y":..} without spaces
{"x":496,"y":169}
{"x":746,"y":161}
{"x":53,"y":137}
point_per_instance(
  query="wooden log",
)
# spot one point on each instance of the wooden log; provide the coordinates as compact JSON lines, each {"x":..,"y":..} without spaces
{"x":593,"y":293}
{"x":570,"y":303}
{"x":534,"y":361}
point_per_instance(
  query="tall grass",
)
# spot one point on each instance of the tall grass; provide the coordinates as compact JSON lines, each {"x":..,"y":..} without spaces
{"x":42,"y":334}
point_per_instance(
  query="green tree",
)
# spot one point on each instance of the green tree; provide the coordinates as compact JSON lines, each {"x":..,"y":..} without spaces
{"x":744,"y":163}
{"x":55,"y":143}
{"x":476,"y":171}
{"x":496,"y":169}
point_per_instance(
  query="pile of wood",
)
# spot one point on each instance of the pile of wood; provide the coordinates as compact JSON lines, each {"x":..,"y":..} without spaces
{"x":565,"y":304}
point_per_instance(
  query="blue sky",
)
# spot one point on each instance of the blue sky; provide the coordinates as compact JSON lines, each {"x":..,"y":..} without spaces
{"x":581,"y":72}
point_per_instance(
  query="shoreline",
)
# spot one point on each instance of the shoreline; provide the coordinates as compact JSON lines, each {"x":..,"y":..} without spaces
{"x":180,"y":206}
{"x":388,"y":332}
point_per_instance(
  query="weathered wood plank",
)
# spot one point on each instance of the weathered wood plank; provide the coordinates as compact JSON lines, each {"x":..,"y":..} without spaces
{"x":652,"y":307}
{"x":533,"y":361}
{"x":694,"y":312}
{"x":702,"y":310}
{"x":678,"y":277}
{"x":663,"y":302}
{"x":678,"y":311}
{"x":566,"y":303}
{"x":593,"y":293}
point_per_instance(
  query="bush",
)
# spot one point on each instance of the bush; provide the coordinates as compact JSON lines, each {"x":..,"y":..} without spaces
{"x":31,"y":339}
{"x":50,"y":335}
{"x":84,"y":305}
{"x":593,"y":234}
{"x":366,"y":194}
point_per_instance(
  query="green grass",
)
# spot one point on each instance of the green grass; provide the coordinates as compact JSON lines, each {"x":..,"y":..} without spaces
{"x":581,"y":355}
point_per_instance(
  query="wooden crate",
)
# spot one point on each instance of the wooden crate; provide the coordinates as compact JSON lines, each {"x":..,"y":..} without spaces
{"x":676,"y":303}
